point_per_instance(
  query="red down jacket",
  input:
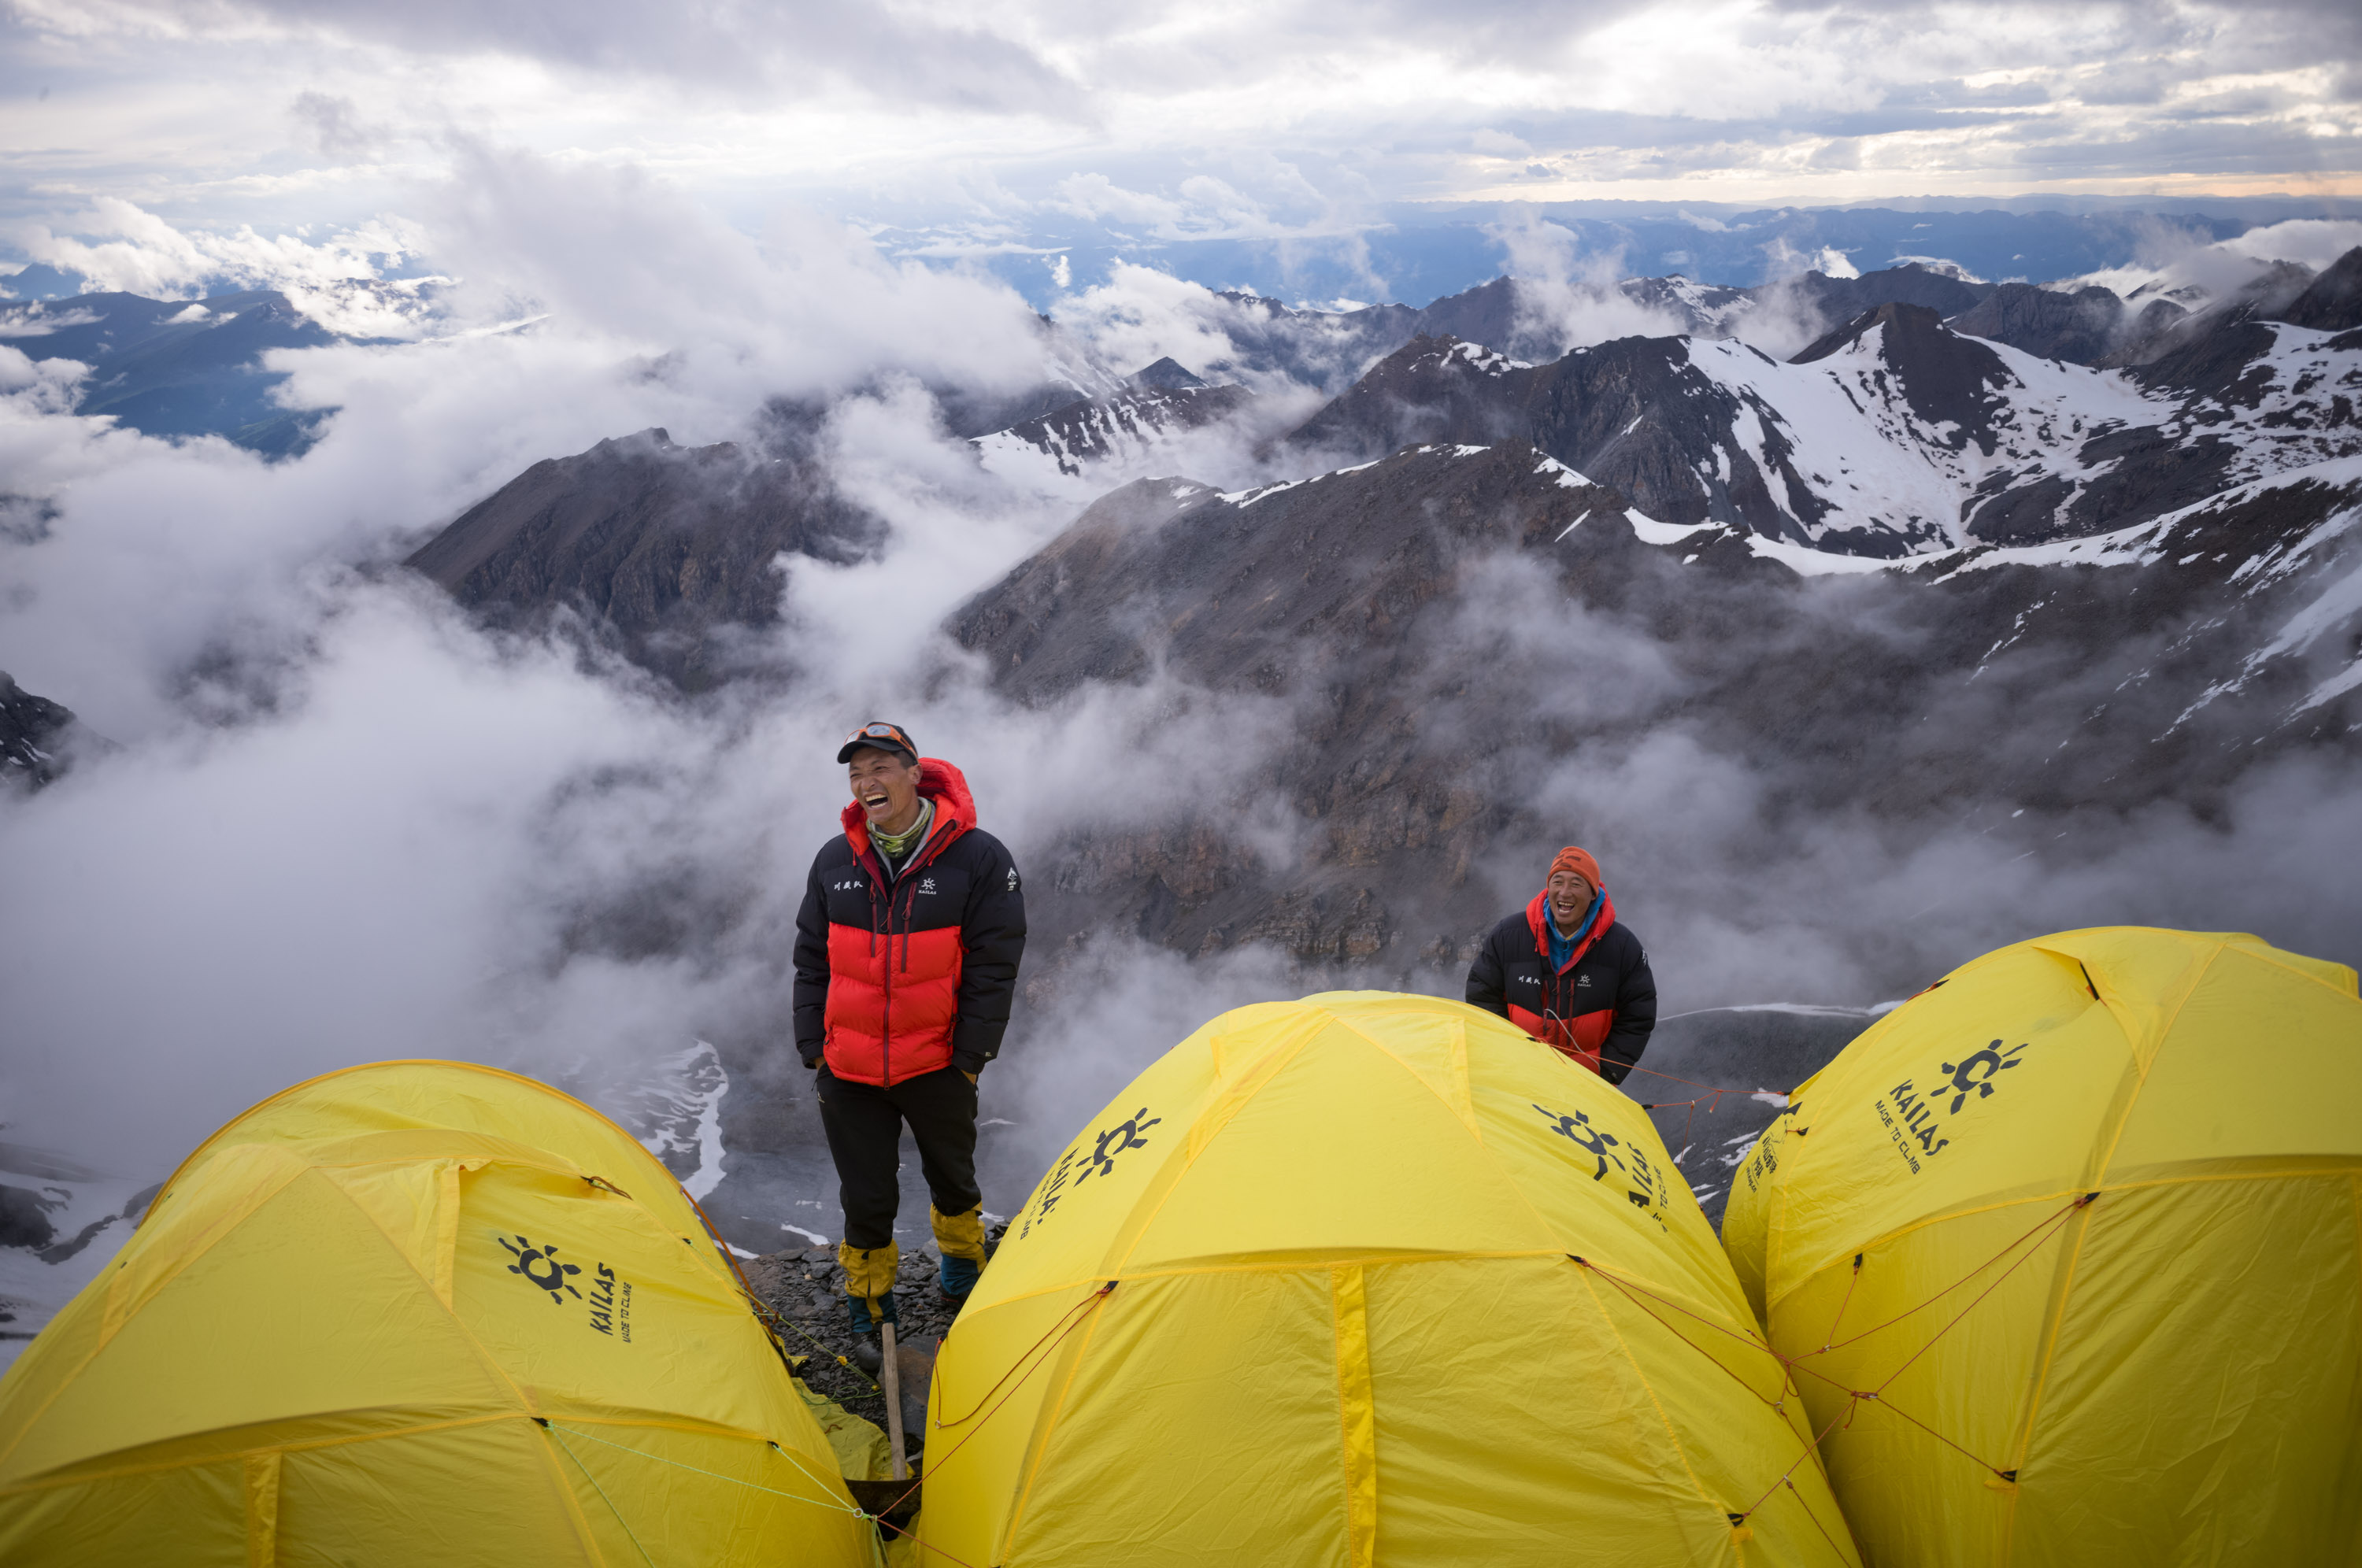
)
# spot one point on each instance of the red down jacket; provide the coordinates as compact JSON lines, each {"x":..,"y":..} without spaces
{"x":1599,"y":1008}
{"x":898,"y":976}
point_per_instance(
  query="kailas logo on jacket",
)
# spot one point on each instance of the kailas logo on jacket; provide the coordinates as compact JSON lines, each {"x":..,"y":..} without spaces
{"x":927,"y":885}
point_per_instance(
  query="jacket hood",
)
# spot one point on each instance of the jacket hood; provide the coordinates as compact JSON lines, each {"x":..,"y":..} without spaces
{"x":939,"y":781}
{"x":1537,"y":921}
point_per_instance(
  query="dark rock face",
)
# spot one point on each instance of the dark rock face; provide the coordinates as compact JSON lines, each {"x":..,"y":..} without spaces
{"x":2333,"y":302}
{"x":1961,"y":687}
{"x":660,"y":545}
{"x":1491,"y":314}
{"x":24,"y":1218}
{"x":171,"y":368}
{"x":2077,"y":327}
{"x":1322,"y":587}
{"x":32,"y":734}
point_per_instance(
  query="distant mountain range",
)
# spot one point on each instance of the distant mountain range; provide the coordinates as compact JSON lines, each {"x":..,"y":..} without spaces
{"x":1426,"y":251}
{"x":177,"y":366}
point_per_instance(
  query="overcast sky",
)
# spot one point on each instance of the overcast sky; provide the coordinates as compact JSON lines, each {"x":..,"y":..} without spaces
{"x":1274,"y":117}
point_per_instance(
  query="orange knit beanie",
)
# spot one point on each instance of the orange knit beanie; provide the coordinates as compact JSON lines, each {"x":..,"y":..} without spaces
{"x":1578,"y":861}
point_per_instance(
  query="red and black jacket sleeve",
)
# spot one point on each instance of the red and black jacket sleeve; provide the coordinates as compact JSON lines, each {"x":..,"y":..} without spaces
{"x":992,"y":933}
{"x":1636,"y":1008}
{"x":812,"y":957}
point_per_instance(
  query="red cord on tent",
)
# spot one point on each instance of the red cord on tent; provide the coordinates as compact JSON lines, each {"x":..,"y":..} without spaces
{"x":1855,"y":1398}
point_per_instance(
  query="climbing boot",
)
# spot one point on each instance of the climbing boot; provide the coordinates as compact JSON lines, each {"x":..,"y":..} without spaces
{"x":960,"y":1239}
{"x":869,"y":1345}
{"x":869,"y":1297}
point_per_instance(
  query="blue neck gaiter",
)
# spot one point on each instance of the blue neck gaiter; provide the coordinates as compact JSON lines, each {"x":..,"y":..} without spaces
{"x":1561,"y":948}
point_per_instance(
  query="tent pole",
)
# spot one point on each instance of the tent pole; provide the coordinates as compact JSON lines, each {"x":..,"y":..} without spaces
{"x":893,"y":1398}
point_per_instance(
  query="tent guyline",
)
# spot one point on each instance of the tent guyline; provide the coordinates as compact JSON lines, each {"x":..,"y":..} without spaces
{"x":1056,"y":1335}
{"x":1071,"y":1319}
{"x":2040,"y":1233}
{"x":625,"y":1525}
{"x":771,"y":1319}
{"x":1711,"y":1098}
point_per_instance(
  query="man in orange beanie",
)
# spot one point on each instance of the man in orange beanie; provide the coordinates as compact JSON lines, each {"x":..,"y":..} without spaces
{"x":1567,"y":973}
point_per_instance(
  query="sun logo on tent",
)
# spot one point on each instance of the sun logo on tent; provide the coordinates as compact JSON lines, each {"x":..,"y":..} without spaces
{"x":554,"y":1279}
{"x":1577,"y":1130}
{"x":1993,"y":1059}
{"x":1123,"y":1136}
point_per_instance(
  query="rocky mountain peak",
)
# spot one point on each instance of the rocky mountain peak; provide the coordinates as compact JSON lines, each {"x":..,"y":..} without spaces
{"x":653,"y":544}
{"x":1167,"y":375}
{"x":31,"y":732}
{"x":2332,"y":302}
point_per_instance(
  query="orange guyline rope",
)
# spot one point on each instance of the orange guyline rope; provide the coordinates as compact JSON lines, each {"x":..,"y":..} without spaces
{"x":1711,"y":1098}
{"x":2041,"y":1232}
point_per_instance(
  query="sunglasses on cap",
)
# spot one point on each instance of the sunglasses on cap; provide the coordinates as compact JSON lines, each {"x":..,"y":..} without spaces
{"x":880,"y":734}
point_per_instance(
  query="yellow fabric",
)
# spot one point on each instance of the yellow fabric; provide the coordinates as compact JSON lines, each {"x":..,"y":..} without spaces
{"x":410,"y":1313}
{"x":2168,"y":1373}
{"x":863,"y":1451}
{"x":868,"y":1271}
{"x":959,"y":1235}
{"x":1346,"y":1328}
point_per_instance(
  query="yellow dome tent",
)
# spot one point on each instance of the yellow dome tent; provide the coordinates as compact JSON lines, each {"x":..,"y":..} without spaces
{"x":2064,"y":1255}
{"x":416,"y":1313}
{"x":1307,"y":1292}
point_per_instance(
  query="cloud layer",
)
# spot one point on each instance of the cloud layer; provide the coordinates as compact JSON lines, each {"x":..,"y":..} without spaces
{"x":1209,"y":120}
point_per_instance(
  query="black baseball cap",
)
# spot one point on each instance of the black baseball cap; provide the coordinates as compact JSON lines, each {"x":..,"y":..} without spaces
{"x":881,"y":735}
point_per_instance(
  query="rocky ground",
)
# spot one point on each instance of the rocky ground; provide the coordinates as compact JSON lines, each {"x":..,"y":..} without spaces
{"x":807,"y":1289}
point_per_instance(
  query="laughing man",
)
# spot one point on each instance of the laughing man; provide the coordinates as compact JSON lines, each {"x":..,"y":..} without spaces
{"x":905,"y":959}
{"x":1567,"y":973}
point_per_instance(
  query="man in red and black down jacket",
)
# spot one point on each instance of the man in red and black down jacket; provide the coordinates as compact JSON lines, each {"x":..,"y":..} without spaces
{"x":905,"y":959}
{"x":1567,"y":973}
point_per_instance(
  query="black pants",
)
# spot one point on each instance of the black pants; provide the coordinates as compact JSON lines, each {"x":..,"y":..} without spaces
{"x":863,"y":1124}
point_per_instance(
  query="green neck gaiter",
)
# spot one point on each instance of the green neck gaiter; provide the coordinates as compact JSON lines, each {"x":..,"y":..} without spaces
{"x":897,"y":847}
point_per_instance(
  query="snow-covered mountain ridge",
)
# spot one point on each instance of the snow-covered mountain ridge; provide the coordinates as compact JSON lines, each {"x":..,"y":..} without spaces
{"x":1894,"y":435}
